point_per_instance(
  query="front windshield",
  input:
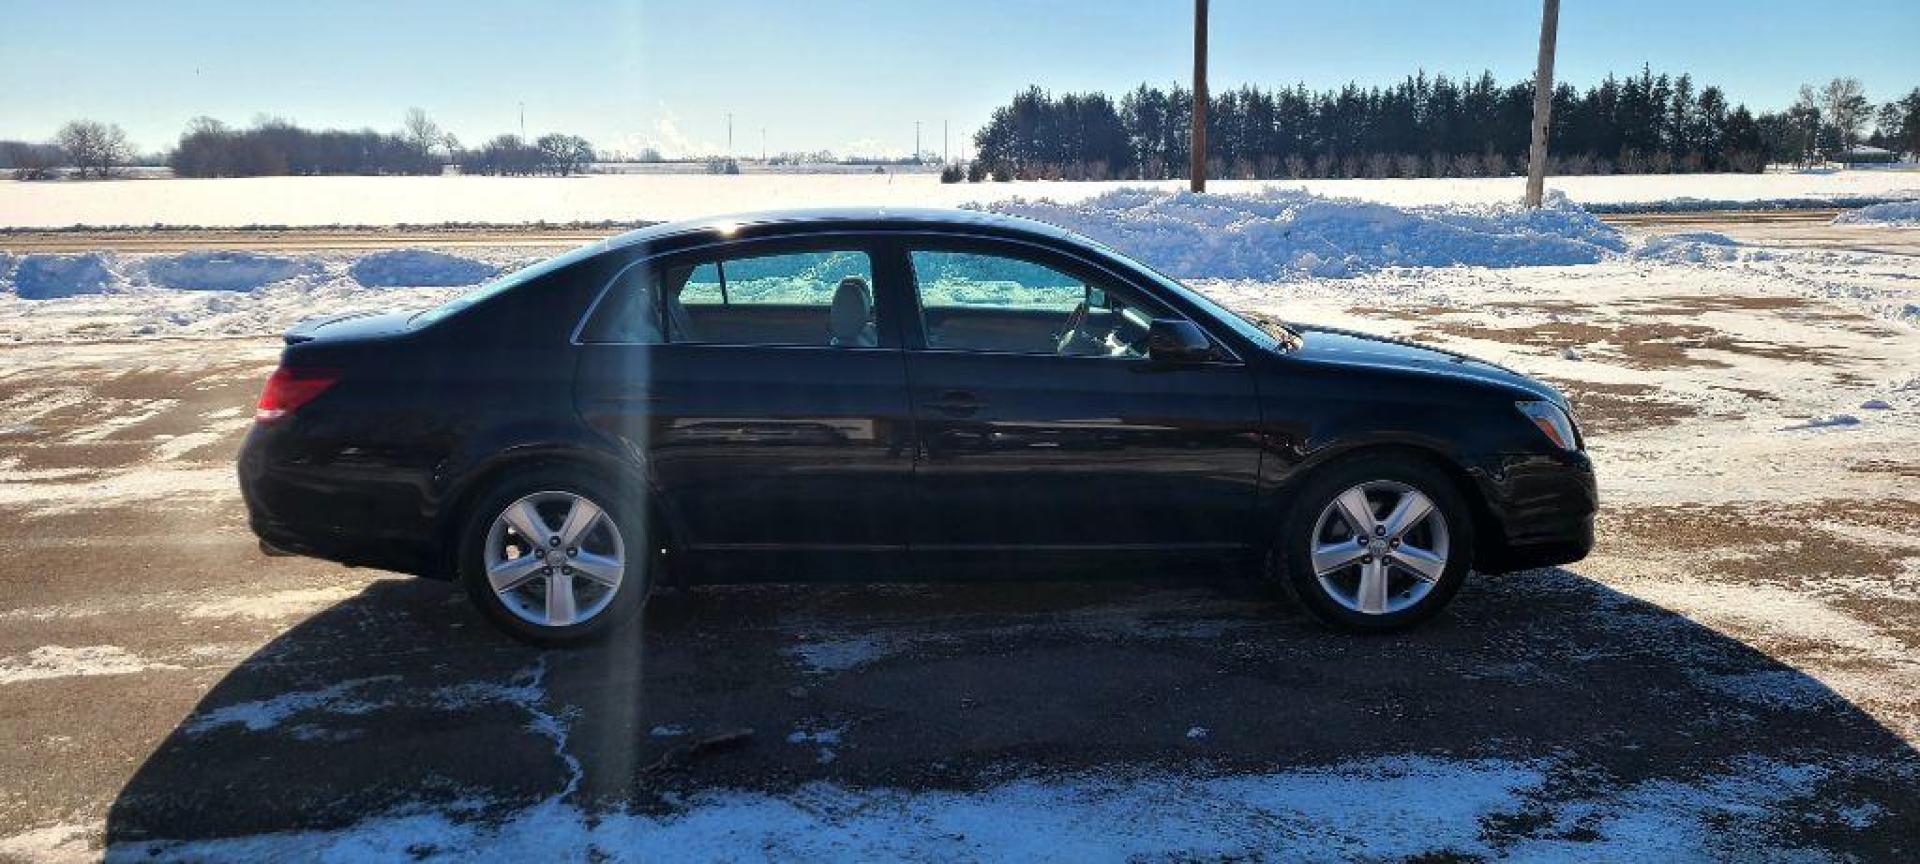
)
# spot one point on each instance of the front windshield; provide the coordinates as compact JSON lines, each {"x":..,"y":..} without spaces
{"x":1262,"y":330}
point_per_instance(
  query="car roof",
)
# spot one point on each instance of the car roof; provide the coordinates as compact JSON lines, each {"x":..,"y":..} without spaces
{"x":770,"y":223}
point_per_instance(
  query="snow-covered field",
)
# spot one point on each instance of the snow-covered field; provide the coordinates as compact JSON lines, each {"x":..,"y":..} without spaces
{"x":310,"y":201}
{"x":1754,"y":412}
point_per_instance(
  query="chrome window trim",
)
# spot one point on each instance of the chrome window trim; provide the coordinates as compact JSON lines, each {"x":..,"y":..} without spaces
{"x":869,"y":236}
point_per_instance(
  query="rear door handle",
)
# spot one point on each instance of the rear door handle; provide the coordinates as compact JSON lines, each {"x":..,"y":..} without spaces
{"x":958,"y":403}
{"x":624,"y":397}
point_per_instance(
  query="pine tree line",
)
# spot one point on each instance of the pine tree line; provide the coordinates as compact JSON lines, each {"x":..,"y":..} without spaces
{"x":1420,"y":127}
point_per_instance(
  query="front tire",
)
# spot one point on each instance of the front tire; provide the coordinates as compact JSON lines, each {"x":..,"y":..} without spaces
{"x":1375,"y":543}
{"x":555,"y":559}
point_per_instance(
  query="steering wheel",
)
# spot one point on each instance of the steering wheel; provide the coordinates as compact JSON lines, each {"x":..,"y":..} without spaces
{"x":1071,"y":333}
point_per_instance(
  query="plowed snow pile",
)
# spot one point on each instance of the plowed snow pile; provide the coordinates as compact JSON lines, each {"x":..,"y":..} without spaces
{"x":1901,"y":213}
{"x":98,"y":295}
{"x":1285,"y":232}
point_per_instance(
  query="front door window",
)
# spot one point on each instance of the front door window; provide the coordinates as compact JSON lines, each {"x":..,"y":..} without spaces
{"x":972,"y":301}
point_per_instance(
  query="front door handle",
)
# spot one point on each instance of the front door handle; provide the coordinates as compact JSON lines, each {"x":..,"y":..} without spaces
{"x":958,"y":403}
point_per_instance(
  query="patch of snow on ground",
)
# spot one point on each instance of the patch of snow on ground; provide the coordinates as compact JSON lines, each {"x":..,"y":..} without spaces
{"x":1830,"y":421}
{"x":1381,"y":809}
{"x":52,"y":844}
{"x":841,"y":654}
{"x":263,"y":714}
{"x":277,"y":604}
{"x":826,"y":737}
{"x":1901,"y":213}
{"x":56,"y":661}
{"x":1283,"y":233}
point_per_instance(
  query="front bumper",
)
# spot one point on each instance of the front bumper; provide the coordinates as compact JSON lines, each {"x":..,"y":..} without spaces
{"x":1540,"y":509}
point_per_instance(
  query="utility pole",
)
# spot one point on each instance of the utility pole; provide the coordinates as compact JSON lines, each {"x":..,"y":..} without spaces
{"x":946,"y":145}
{"x":763,"y":144}
{"x":523,"y":121}
{"x":729,"y":134}
{"x":1199,"y":175}
{"x":1542,"y":102}
{"x":916,"y":142}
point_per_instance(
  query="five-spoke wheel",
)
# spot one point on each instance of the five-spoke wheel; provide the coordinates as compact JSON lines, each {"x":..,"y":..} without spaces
{"x":1379,"y":547}
{"x":1375,"y":543}
{"x":553,"y":559}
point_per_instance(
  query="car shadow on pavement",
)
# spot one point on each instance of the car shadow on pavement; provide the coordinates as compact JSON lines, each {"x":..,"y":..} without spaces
{"x":402,"y":699}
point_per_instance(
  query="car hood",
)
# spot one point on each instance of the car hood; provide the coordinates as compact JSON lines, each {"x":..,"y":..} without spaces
{"x":1345,"y":347}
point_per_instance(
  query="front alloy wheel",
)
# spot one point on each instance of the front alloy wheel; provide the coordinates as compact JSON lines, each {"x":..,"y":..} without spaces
{"x":1379,"y":547}
{"x":1375,"y":542}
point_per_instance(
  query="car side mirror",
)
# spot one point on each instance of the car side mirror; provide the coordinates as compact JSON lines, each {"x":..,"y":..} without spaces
{"x":1177,"y":340}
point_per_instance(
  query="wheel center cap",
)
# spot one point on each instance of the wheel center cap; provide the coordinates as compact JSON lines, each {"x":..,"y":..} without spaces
{"x":552,"y":556}
{"x":1377,"y":546}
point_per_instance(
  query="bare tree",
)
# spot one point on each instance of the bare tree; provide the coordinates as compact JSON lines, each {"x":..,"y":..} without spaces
{"x":96,"y":149}
{"x":204,"y":125}
{"x":421,"y":132}
{"x":1844,"y":103}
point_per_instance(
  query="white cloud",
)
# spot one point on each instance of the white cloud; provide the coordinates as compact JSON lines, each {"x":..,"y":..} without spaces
{"x":668,"y":138}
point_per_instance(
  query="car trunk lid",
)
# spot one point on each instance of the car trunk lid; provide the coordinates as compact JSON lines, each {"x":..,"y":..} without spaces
{"x":348,"y":325}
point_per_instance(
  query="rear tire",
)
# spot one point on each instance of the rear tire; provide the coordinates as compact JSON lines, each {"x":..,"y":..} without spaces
{"x":588,"y":574}
{"x":1409,"y":556}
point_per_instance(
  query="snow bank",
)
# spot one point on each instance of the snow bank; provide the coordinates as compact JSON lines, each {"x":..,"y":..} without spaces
{"x":1285,"y":232}
{"x":49,"y":277}
{"x":420,"y":268}
{"x":45,"y":277}
{"x":610,"y":198}
{"x":1695,"y":247}
{"x":1905,"y":214}
{"x":224,"y":271}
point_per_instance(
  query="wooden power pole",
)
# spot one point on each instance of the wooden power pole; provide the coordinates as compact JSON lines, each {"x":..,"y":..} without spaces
{"x":1542,"y":102}
{"x":1199,"y":181}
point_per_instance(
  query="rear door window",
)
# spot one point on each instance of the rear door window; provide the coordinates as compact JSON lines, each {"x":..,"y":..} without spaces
{"x":821,"y":298}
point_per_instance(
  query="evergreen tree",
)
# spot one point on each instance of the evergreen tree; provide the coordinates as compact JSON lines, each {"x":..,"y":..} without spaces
{"x":1420,"y":126}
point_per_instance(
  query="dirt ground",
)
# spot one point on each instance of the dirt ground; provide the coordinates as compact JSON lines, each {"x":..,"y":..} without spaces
{"x":1733,"y":673}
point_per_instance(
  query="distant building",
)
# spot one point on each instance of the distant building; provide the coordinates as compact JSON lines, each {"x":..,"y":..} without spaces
{"x":1861,"y":154}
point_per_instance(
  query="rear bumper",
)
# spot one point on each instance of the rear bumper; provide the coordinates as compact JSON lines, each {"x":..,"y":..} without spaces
{"x":1540,"y":508}
{"x":298,"y":508}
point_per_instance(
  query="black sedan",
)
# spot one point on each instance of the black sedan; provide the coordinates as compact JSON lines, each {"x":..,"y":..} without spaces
{"x":895,"y":394}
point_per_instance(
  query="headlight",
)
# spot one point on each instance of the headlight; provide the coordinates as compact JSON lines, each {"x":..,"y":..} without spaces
{"x":1552,"y":422}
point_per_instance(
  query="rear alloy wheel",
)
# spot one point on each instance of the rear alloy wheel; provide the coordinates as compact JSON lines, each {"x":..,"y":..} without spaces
{"x":554,"y":559}
{"x":1376,"y":545}
{"x":552,"y":564}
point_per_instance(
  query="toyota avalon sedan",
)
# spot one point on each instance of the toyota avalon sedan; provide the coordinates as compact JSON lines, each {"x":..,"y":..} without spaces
{"x":886,"y":394}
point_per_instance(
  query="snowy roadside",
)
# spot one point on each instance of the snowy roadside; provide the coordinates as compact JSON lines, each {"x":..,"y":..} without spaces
{"x":321,"y":201}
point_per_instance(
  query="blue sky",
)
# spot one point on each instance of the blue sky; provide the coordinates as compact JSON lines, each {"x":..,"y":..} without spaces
{"x":849,"y":76}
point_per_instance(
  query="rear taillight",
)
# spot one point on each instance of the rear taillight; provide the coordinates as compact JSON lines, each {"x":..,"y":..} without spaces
{"x":291,"y":387}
